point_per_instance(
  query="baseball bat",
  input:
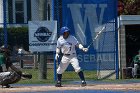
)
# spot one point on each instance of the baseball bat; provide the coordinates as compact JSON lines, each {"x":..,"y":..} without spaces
{"x":96,"y":37}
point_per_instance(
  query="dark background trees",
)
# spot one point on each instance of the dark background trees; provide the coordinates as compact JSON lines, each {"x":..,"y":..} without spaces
{"x":129,"y":7}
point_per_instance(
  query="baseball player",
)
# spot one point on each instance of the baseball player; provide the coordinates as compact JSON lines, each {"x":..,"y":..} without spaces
{"x":9,"y":76}
{"x":66,"y":43}
{"x":136,"y":61}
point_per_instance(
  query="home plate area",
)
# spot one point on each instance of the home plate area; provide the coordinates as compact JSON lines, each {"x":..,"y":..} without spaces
{"x":73,"y":88}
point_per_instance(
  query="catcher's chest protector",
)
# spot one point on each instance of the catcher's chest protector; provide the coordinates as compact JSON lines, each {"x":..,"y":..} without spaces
{"x":1,"y":59}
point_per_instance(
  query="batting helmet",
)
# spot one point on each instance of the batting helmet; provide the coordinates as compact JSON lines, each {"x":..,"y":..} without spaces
{"x":64,"y":29}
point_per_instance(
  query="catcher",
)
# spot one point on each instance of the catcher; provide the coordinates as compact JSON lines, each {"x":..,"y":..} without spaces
{"x":9,"y":74}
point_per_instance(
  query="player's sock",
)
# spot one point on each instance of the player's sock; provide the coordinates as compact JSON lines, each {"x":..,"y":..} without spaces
{"x":59,"y":77}
{"x":58,"y":84}
{"x":81,"y":75}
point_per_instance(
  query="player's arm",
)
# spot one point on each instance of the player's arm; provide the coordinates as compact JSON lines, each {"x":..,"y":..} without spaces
{"x":57,"y":53}
{"x":10,"y":65}
{"x":80,"y":46}
{"x":136,"y":59}
{"x":57,"y":50}
{"x":19,"y":72}
{"x":16,"y":69}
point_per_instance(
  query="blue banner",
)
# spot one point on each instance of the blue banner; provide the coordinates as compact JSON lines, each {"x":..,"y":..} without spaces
{"x":86,"y":18}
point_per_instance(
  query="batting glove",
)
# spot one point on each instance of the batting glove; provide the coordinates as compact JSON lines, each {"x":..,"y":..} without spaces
{"x":56,"y":56}
{"x":85,"y":49}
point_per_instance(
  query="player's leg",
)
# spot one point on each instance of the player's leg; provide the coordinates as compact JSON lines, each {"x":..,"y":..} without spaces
{"x":77,"y":68}
{"x":2,"y":76}
{"x":9,"y":78}
{"x":135,"y":70}
{"x":61,"y":68}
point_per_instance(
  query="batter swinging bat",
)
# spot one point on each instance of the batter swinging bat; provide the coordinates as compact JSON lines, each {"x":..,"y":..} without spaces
{"x":96,"y":36}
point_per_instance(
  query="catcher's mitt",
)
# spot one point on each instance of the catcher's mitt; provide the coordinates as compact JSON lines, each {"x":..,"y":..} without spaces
{"x":26,"y":76}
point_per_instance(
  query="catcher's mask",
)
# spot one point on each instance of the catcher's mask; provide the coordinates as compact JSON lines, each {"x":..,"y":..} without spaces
{"x":5,"y":49}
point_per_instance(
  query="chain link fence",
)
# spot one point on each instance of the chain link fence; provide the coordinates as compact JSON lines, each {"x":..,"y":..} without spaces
{"x":17,"y":13}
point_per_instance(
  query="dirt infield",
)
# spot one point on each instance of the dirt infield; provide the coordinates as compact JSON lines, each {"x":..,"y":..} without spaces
{"x":125,"y":87}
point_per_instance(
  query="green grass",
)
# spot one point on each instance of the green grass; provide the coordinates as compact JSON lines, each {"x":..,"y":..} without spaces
{"x":35,"y":77}
{"x":67,"y":76}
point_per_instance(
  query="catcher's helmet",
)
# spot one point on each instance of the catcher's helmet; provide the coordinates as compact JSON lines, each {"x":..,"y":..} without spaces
{"x":64,"y":29}
{"x":5,"y":49}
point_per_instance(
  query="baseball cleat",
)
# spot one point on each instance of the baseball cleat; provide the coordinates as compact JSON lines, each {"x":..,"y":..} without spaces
{"x":83,"y":83}
{"x":58,"y":84}
{"x":6,"y":86}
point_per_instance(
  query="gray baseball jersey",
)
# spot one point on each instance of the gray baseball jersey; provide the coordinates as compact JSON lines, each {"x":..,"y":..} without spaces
{"x":67,"y":46}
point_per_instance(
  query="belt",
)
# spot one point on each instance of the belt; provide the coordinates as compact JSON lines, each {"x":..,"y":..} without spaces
{"x":68,"y":54}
